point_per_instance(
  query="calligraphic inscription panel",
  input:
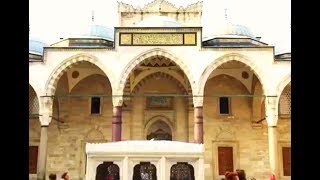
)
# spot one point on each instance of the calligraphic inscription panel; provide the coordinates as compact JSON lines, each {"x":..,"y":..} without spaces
{"x":151,"y":39}
{"x":159,"y":102}
{"x":158,"y":39}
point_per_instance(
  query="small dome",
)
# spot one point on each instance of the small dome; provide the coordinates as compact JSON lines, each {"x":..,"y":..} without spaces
{"x":98,"y":31}
{"x":233,"y":30}
{"x":36,"y":46}
{"x":158,"y":21}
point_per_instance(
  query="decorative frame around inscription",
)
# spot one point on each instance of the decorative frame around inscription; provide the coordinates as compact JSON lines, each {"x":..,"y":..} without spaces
{"x":159,"y":102}
{"x":134,"y":39}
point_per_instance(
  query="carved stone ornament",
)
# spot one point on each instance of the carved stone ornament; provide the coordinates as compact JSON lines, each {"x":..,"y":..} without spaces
{"x":117,"y":101}
{"x":45,"y":118}
{"x":198,"y":101}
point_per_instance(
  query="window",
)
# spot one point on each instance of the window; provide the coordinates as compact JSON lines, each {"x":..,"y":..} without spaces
{"x":285,"y":103}
{"x":33,"y":159}
{"x":95,"y":105}
{"x":225,"y":159}
{"x":144,"y":171}
{"x":182,"y":170}
{"x":224,"y":105}
{"x":286,"y":159}
{"x":107,"y":170}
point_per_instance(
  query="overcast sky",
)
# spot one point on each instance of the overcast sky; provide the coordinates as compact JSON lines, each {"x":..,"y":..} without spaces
{"x":270,"y":19}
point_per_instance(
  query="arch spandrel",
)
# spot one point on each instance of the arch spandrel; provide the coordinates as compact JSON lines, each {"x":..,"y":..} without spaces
{"x":153,"y":52}
{"x":224,"y":59}
{"x":281,"y":86}
{"x":53,"y":79}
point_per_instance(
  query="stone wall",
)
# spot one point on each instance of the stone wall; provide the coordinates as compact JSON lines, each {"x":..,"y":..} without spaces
{"x":250,"y":144}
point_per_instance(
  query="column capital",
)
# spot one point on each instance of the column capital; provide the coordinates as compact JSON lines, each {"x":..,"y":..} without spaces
{"x":271,"y":111}
{"x":45,"y":118}
{"x":117,"y":101}
{"x":271,"y":100}
{"x":46,"y":103}
{"x":198,"y":100}
{"x":45,"y":111}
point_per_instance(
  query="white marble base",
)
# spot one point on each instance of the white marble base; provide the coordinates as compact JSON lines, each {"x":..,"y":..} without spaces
{"x":163,"y":154}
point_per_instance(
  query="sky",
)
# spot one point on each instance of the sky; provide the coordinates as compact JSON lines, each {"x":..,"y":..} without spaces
{"x":269,"y":19}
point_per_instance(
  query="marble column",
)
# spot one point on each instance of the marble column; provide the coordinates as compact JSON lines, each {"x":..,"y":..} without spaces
{"x":273,"y":150}
{"x":45,"y":118}
{"x":116,"y":123}
{"x":198,"y":125}
{"x":272,"y":120}
{"x":42,"y":155}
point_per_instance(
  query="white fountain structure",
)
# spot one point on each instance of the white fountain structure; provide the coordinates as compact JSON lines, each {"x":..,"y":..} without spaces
{"x":162,"y":154}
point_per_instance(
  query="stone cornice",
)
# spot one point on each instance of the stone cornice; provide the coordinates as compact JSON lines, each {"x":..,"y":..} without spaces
{"x":157,"y":29}
{"x":144,"y":147}
{"x":79,"y":48}
{"x":228,"y":48}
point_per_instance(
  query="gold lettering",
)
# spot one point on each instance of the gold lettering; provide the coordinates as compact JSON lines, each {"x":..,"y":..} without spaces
{"x":157,"y":39}
{"x":137,"y":39}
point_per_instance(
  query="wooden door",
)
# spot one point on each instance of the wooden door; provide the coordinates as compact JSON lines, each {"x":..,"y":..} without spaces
{"x":33,"y":159}
{"x":286,"y":157}
{"x":225,"y":159}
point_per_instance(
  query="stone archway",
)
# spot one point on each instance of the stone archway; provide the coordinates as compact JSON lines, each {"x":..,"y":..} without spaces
{"x":285,"y":81}
{"x":159,"y":125}
{"x":153,"y":52}
{"x":226,"y":58}
{"x":70,"y":62}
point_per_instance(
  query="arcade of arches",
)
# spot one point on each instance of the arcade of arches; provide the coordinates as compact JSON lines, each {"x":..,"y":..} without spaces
{"x":159,"y":101}
{"x":164,"y":117}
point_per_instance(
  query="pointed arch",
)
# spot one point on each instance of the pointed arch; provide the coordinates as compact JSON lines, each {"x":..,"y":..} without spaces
{"x":284,"y":82}
{"x":68,"y":63}
{"x":170,"y":75}
{"x":231,"y":78}
{"x":281,"y":86}
{"x":94,"y":134}
{"x":226,"y":58}
{"x":153,"y":52}
{"x":34,"y":101}
{"x":154,"y":120}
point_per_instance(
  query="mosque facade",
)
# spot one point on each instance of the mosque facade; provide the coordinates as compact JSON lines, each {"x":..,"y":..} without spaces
{"x":157,"y":78}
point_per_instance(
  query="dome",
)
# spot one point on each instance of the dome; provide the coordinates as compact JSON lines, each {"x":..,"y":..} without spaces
{"x":98,"y":31}
{"x":36,"y":46}
{"x":158,"y":21}
{"x":233,"y":31}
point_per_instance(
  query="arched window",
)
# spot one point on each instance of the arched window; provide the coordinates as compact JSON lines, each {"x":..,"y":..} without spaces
{"x":159,"y":135}
{"x":182,"y":171}
{"x":107,"y":171}
{"x":33,"y":103}
{"x":285,"y":102}
{"x":159,"y":131}
{"x":144,"y":171}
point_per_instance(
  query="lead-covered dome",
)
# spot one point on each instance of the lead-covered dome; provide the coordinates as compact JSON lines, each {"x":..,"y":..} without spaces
{"x":36,"y":46}
{"x":98,"y":31}
{"x":158,"y":21}
{"x":233,"y":30}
